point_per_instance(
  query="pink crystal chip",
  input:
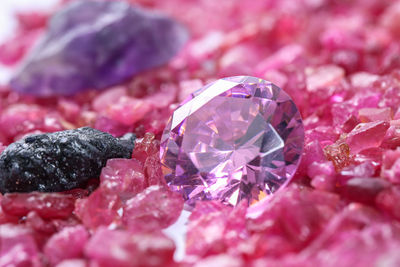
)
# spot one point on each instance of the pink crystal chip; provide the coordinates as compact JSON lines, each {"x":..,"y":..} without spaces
{"x":234,"y":139}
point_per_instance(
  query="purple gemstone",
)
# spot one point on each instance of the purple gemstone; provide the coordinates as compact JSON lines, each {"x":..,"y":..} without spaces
{"x":236,"y":138}
{"x":96,"y":44}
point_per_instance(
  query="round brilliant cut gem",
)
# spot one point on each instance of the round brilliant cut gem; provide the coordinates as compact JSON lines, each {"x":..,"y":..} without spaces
{"x":238,"y":138}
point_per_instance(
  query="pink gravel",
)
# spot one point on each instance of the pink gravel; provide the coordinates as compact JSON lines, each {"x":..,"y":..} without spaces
{"x":338,"y":60}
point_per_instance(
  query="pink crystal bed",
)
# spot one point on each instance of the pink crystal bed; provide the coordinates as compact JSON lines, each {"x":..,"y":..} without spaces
{"x":200,"y":133}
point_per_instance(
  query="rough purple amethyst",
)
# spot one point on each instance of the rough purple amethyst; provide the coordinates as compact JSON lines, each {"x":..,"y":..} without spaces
{"x":96,"y":44}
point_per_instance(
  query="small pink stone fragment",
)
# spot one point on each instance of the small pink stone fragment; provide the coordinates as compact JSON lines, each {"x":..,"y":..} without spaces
{"x":323,"y":76}
{"x":392,"y":137}
{"x":128,"y":110}
{"x":66,"y":244}
{"x":153,"y":209}
{"x":103,"y":101}
{"x":213,"y":226}
{"x":110,"y":126}
{"x":18,"y":246}
{"x":110,"y":248}
{"x":47,"y":205}
{"x":375,"y":114}
{"x":391,"y":166}
{"x":367,"y":135}
{"x":187,"y":87}
{"x":36,"y":223}
{"x":123,"y":177}
{"x":364,"y":169}
{"x":342,"y":111}
{"x":73,"y":263}
{"x":165,"y":96}
{"x":363,"y":190}
{"x":363,"y":79}
{"x":388,"y":201}
{"x":276,"y":77}
{"x":322,"y":175}
{"x":282,"y":57}
{"x":222,"y":260}
{"x":100,"y":208}
{"x":296,"y":215}
{"x":145,"y":147}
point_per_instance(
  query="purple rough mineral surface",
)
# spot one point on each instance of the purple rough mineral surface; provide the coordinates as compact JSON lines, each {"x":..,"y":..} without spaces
{"x":96,"y":44}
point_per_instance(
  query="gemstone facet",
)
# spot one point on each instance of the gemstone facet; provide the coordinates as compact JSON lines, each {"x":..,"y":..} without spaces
{"x":234,"y":139}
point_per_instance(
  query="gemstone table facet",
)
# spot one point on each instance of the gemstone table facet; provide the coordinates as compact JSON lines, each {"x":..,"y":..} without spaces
{"x":238,"y":138}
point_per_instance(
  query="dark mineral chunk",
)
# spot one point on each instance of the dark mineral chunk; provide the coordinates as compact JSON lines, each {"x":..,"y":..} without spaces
{"x":59,"y":161}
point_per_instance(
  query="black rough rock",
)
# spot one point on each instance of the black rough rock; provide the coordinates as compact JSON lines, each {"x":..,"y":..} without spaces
{"x":59,"y":161}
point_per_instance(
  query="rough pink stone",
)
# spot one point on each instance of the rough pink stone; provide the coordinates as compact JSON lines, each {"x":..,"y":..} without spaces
{"x":391,"y":166}
{"x":296,"y":215}
{"x":236,"y":138}
{"x":366,"y":135}
{"x":324,"y":134}
{"x":388,"y":200}
{"x":342,"y":111}
{"x":128,"y":110}
{"x":66,"y":244}
{"x":323,"y":175}
{"x":222,"y":260}
{"x":110,"y":248}
{"x":36,"y":223}
{"x":246,"y":53}
{"x":100,"y":208}
{"x":20,"y":118}
{"x":390,"y":18}
{"x":392,"y":137}
{"x":364,"y":169}
{"x":47,"y":205}
{"x":282,"y":57}
{"x":323,"y":76}
{"x":187,"y":87}
{"x":145,"y":147}
{"x":363,"y":190}
{"x":153,"y":209}
{"x":213,"y":226}
{"x":18,"y":246}
{"x":162,"y":98}
{"x":276,"y":77}
{"x":73,"y":263}
{"x":375,"y":114}
{"x":312,"y":153}
{"x":363,"y":79}
{"x":103,"y":101}
{"x":70,"y":109}
{"x":110,"y":126}
{"x":357,"y":236}
{"x":123,"y":177}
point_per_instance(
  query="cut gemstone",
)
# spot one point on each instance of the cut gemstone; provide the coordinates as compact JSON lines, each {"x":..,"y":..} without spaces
{"x":234,"y":139}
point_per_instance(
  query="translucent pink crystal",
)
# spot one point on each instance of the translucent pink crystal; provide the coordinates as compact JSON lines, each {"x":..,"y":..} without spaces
{"x":213,"y":227}
{"x":126,"y":249}
{"x":100,"y":208}
{"x":66,"y":244}
{"x":366,"y":135}
{"x":123,"y":177}
{"x":375,"y":114}
{"x":18,"y":246}
{"x":153,"y":209}
{"x":237,"y":138}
